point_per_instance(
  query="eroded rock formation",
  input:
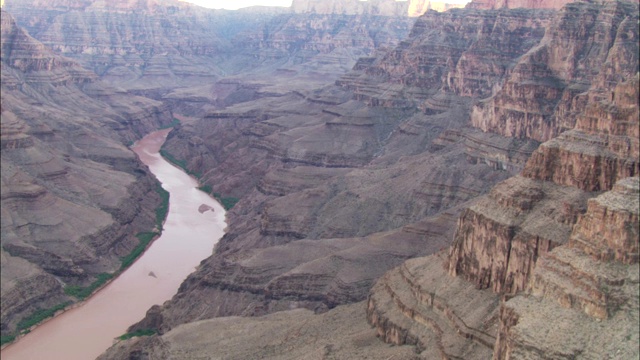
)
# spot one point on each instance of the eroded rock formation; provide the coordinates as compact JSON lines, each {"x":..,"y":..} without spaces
{"x":561,"y":253}
{"x":73,"y":195}
{"x":350,"y":152}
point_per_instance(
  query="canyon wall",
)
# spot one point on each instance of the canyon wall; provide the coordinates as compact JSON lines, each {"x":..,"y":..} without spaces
{"x":353,"y":145}
{"x":563,"y":252}
{"x":514,"y":4}
{"x":73,"y":195}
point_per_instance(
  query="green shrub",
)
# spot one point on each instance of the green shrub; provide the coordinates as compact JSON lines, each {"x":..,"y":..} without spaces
{"x":174,"y":123}
{"x":145,"y":238}
{"x":172,"y":159}
{"x":179,"y":163}
{"x":5,"y":339}
{"x":227,"y":202}
{"x":206,"y":188}
{"x":81,"y":292}
{"x":163,"y":208}
{"x":40,"y":315}
{"x":141,"y":332}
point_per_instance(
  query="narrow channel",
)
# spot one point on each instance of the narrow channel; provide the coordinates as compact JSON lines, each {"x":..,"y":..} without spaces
{"x":193,"y":226}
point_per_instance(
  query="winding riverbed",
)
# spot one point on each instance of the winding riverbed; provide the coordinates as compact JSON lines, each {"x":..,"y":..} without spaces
{"x":194,"y":224}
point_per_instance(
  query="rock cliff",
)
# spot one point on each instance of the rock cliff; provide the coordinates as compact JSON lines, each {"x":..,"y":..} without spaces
{"x":73,"y":196}
{"x":514,"y":4}
{"x":561,"y":253}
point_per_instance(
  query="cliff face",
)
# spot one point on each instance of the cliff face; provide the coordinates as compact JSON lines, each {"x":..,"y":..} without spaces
{"x":591,"y":283}
{"x":73,"y":196}
{"x":599,"y":151}
{"x":352,"y":7}
{"x":585,"y":49}
{"x":373,"y":7}
{"x":514,"y":4}
{"x":549,"y":236}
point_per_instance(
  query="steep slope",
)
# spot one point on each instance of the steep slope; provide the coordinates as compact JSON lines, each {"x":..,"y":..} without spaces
{"x":73,"y":196}
{"x":530,"y":236}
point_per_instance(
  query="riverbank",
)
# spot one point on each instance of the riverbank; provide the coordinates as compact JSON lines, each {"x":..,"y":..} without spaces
{"x":87,"y":328}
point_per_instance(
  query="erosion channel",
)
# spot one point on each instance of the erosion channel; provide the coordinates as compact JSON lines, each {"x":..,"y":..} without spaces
{"x":194,"y":224}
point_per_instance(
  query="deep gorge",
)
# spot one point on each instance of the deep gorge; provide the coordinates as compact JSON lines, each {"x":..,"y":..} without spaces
{"x":482,"y":143}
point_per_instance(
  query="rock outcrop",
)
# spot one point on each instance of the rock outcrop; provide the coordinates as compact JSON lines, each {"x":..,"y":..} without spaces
{"x":352,"y":7}
{"x":587,"y":47}
{"x":589,"y":284}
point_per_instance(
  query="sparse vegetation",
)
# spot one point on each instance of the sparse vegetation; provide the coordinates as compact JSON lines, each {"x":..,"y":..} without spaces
{"x":174,"y":123}
{"x":163,"y":208}
{"x":81,"y":292}
{"x":5,"y":339}
{"x":40,"y":315}
{"x":145,"y":238}
{"x":179,"y":163}
{"x":206,"y":188}
{"x":172,"y":159}
{"x":141,"y":332}
{"x":227,"y":202}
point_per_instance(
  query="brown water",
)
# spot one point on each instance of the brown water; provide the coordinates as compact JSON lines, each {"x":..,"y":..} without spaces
{"x":194,"y":224}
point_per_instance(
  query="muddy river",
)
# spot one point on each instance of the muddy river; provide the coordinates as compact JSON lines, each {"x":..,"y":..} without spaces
{"x":194,"y":224}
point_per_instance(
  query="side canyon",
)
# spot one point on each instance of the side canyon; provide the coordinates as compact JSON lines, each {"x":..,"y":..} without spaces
{"x":462,"y":184}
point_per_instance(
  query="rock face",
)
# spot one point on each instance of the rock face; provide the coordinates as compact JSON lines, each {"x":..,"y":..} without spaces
{"x":545,"y":92}
{"x":514,"y":4}
{"x":170,"y":44}
{"x":583,"y":284}
{"x":341,"y":333}
{"x":73,"y":196}
{"x":352,"y":7}
{"x":564,"y":252}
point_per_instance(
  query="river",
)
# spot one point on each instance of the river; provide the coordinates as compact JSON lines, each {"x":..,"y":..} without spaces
{"x":194,"y":224}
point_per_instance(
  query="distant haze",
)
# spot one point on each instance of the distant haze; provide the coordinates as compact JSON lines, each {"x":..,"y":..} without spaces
{"x":237,"y":4}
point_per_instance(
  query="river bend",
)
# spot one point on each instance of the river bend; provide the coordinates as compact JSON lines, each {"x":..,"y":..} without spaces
{"x":194,"y":224}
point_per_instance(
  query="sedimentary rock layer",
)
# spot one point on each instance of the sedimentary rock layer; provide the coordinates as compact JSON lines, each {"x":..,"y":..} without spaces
{"x":73,"y":196}
{"x":582,"y":284}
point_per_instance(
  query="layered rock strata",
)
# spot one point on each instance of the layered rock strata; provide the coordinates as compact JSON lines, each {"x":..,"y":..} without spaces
{"x":418,"y":304}
{"x":73,"y":196}
{"x":564,"y":254}
{"x":576,"y":285}
{"x":514,"y":4}
{"x":587,"y":46}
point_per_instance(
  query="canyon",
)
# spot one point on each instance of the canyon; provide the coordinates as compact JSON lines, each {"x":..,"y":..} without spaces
{"x":461,"y":184}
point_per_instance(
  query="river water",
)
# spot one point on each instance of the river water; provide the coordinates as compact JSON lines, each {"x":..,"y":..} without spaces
{"x":194,"y":224}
